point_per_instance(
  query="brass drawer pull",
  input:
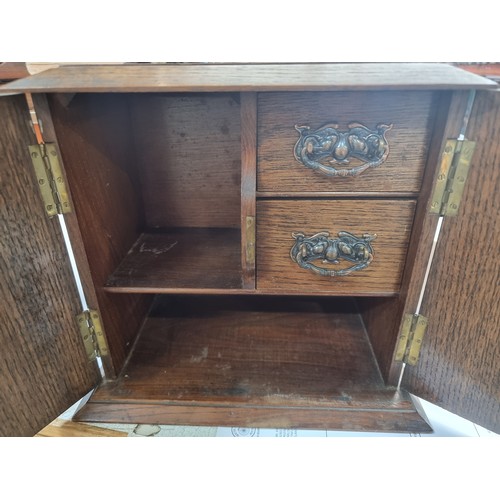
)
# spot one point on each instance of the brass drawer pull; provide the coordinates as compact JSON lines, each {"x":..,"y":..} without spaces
{"x":321,"y":246}
{"x":327,"y":146}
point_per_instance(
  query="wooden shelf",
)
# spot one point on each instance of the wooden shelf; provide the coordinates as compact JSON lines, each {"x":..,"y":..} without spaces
{"x":194,"y":259}
{"x":247,"y":77}
{"x":268,"y":361}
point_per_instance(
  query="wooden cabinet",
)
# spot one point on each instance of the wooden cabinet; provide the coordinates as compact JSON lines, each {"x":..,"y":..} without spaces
{"x":252,"y":243}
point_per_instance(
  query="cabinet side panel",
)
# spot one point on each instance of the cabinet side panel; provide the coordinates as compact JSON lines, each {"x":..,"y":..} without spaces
{"x":459,"y":366}
{"x":43,"y":366}
{"x":94,"y":138}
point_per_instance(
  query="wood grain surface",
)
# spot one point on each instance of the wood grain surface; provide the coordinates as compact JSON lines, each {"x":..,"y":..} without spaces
{"x":43,"y":365}
{"x":95,"y":140}
{"x":252,"y":361}
{"x":382,"y":317}
{"x":189,"y":158}
{"x":241,"y":360}
{"x":395,"y":417}
{"x":450,"y":115}
{"x":276,"y":221}
{"x":249,"y":349}
{"x":247,"y":77}
{"x":71,"y":220}
{"x":459,"y":366}
{"x":410,"y":113}
{"x":183,"y":258}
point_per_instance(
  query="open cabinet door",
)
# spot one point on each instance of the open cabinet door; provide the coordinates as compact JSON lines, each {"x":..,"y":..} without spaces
{"x":43,"y":364}
{"x":459,"y":365}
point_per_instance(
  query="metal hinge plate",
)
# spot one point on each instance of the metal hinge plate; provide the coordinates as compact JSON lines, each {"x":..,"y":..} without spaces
{"x":92,"y":333}
{"x":50,"y":178}
{"x":410,"y":341}
{"x":250,"y":248}
{"x":453,"y":171}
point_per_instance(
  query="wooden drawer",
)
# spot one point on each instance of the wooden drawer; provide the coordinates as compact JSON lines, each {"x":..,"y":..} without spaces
{"x":379,"y":262}
{"x":405,"y":144}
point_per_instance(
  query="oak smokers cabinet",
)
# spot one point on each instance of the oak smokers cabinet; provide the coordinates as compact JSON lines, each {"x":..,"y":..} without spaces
{"x":257,"y":245}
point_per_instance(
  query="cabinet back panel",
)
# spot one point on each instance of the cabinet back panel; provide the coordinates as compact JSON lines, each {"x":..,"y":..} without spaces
{"x":189,"y":154}
{"x":93,"y":132}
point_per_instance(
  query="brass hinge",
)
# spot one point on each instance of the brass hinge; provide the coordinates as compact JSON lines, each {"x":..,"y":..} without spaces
{"x":453,"y":171}
{"x":92,"y":333}
{"x":410,"y":341}
{"x":250,"y":247}
{"x":50,"y":178}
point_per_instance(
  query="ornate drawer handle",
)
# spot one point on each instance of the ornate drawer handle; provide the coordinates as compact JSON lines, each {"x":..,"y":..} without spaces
{"x":327,"y":146}
{"x":321,"y":246}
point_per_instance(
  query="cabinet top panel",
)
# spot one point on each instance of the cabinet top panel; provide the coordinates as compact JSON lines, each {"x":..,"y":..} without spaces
{"x":247,"y":77}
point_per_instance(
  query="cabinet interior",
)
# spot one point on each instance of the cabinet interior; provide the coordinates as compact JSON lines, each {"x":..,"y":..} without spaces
{"x":156,"y":184}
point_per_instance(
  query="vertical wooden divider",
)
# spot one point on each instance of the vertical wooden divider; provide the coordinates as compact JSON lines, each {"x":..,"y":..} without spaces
{"x":248,"y":186}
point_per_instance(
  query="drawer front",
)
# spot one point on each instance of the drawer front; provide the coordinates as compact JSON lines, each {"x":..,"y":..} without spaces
{"x":339,"y":247}
{"x":343,"y":141}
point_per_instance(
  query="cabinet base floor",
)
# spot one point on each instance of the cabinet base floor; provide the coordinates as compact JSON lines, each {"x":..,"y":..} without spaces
{"x":298,"y":362}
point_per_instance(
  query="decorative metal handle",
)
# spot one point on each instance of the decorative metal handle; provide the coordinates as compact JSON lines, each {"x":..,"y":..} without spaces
{"x":320,"y":246}
{"x":327,"y":146}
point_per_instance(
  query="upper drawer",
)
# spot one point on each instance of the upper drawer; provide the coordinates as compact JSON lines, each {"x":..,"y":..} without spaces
{"x":347,"y":134}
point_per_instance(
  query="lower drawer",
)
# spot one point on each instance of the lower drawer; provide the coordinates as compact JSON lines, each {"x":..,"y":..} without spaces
{"x":334,"y":247}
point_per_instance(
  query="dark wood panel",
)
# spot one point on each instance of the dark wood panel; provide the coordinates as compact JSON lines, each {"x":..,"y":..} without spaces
{"x":248,"y":349}
{"x":348,"y":419}
{"x":252,"y":361}
{"x":43,"y":365}
{"x":181,"y":258}
{"x":449,"y":121}
{"x":189,"y":156}
{"x":383,"y":317}
{"x":94,"y":137}
{"x":276,"y":221}
{"x":410,"y":113}
{"x":459,"y":366}
{"x":247,"y":77}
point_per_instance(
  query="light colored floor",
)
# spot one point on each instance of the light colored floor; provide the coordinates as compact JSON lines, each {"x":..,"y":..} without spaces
{"x":444,"y":424}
